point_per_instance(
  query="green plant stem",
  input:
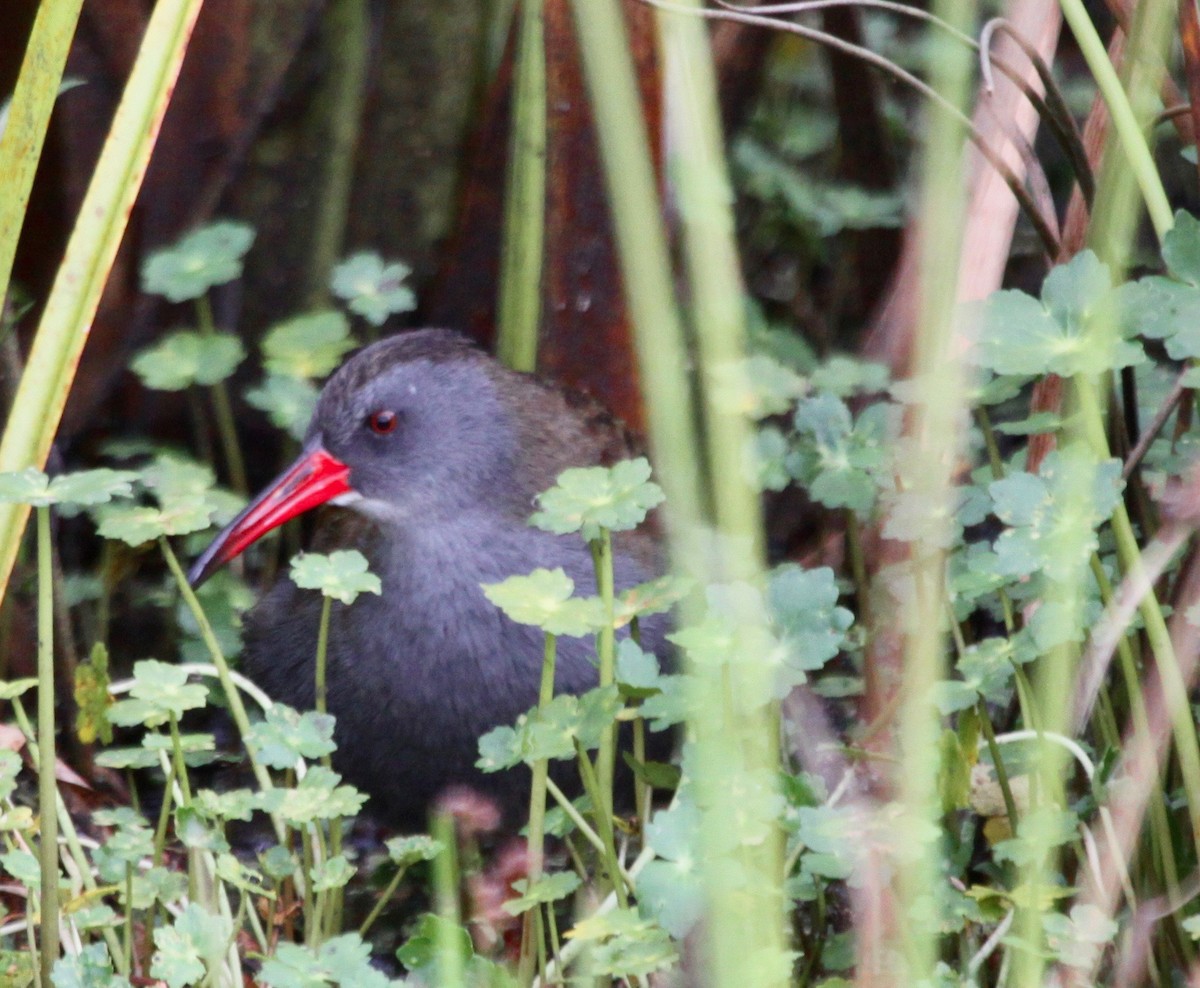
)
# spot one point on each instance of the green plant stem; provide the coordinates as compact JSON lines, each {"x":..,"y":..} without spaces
{"x":336,"y":899}
{"x":322,"y":653}
{"x":1174,"y":689}
{"x":312,"y":934}
{"x":564,"y":801}
{"x":164,"y":818}
{"x":28,"y":119}
{"x":127,"y":952}
{"x":521,"y":255}
{"x":445,"y":890}
{"x":602,"y":557}
{"x":858,"y":567}
{"x":604,"y":826}
{"x":642,"y":792}
{"x":989,"y":735}
{"x":180,"y":766}
{"x":1160,"y":827}
{"x":537,"y":815}
{"x":66,"y":826}
{"x":47,"y":786}
{"x":237,"y":709}
{"x":645,"y":266}
{"x":347,"y":43}
{"x":377,"y":909}
{"x":1125,"y":120}
{"x":223,"y":410}
{"x":42,"y":394}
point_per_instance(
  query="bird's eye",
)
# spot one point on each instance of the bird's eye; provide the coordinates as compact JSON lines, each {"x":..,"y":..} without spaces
{"x":383,"y":421}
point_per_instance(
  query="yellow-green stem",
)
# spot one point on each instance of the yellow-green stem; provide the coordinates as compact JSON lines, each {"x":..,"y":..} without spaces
{"x":519,"y":310}
{"x":47,"y":786}
{"x":42,"y":394}
{"x":223,"y":411}
{"x":602,"y":555}
{"x":537,"y":817}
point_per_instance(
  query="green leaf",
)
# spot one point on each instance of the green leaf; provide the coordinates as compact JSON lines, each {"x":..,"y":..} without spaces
{"x":31,"y":486}
{"x":23,"y":867}
{"x":344,"y":960}
{"x":371,"y":288}
{"x":184,"y":358}
{"x":406,"y":851}
{"x":624,"y":944}
{"x":1060,"y":334}
{"x":196,"y":943}
{"x":845,"y":376}
{"x":543,"y":599}
{"x":550,"y":731}
{"x":137,"y":524}
{"x":342,"y":575}
{"x":209,"y":256}
{"x":838,"y":459}
{"x":670,"y":889}
{"x":808,"y":623}
{"x":986,"y":669}
{"x":548,"y":888}
{"x":307,"y":346}
{"x":1038,"y":832}
{"x":231,"y":804}
{"x":160,"y":691}
{"x":10,"y":766}
{"x":637,"y":671}
{"x":1162,"y":309}
{"x":317,"y":797}
{"x":654,"y":597}
{"x":92,"y":967}
{"x":285,"y":735}
{"x":1181,"y":248}
{"x":288,"y":401}
{"x":756,"y":387}
{"x":586,"y":499}
{"x":11,"y":689}
{"x":1079,"y":940}
{"x":420,"y":952}
{"x":277,"y":862}
{"x":1052,"y":517}
{"x":333,"y":873}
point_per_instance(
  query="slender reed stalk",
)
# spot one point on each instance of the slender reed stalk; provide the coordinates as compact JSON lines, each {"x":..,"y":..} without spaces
{"x":936,"y":427}
{"x":519,"y":311}
{"x":47,"y":785}
{"x":28,"y":118}
{"x":71,"y":305}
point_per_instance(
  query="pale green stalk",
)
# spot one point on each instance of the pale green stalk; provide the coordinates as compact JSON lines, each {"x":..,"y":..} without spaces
{"x":67,"y":828}
{"x":645,"y":267}
{"x":606,"y":757}
{"x":223,"y":410}
{"x":743,"y":889}
{"x":1121,"y":107}
{"x":445,"y":890}
{"x":939,"y":409}
{"x":28,"y":118}
{"x":47,"y":785}
{"x":347,"y":29}
{"x":537,"y":817}
{"x":519,"y":311}
{"x":71,"y":306}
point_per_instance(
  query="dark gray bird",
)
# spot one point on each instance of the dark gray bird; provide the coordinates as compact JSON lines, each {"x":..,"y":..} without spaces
{"x":436,"y":453}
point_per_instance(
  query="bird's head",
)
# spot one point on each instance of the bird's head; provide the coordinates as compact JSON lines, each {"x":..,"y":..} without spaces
{"x":409,"y":429}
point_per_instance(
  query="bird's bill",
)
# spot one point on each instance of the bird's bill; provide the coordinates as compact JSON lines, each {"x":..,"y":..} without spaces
{"x":315,"y":478}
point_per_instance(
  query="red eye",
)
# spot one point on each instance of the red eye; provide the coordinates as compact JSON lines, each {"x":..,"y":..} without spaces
{"x":383,"y":422}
